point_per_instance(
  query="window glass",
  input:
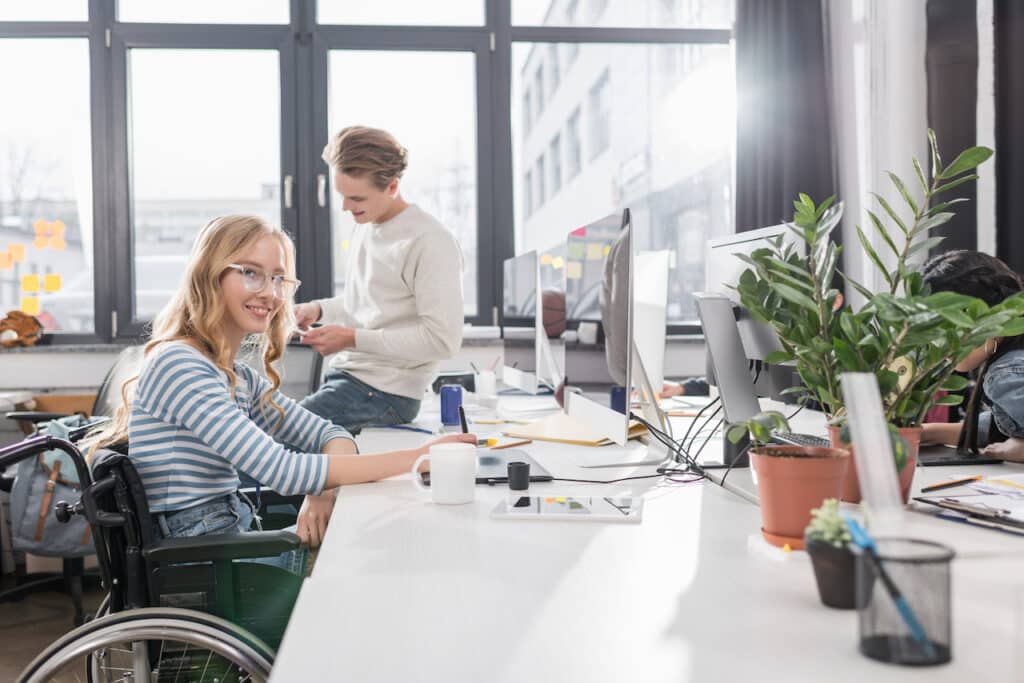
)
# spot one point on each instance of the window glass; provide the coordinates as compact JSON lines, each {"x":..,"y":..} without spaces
{"x":46,"y":231}
{"x":204,"y":11}
{"x":204,"y":133}
{"x":51,"y":10}
{"x":402,"y":12}
{"x":434,"y":119}
{"x":624,"y":13}
{"x":555,"y":154}
{"x":657,"y":140}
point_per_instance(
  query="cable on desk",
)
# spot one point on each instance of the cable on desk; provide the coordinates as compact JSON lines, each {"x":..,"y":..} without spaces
{"x":707,"y":438}
{"x":661,"y":472}
{"x":795,"y":412}
{"x":695,"y":418}
{"x":703,"y":426}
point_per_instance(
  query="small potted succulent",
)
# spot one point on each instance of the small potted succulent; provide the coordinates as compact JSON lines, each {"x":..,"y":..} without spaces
{"x":791,"y":480}
{"x":827,"y":541}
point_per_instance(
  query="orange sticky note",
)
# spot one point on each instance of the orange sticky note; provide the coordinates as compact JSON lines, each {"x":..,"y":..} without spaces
{"x":51,"y":282}
{"x":30,"y":305}
{"x":57,"y":227}
{"x":40,"y":226}
{"x":29,"y":283}
{"x":57,"y":243}
{"x":6,"y":262}
{"x":17,"y":252}
{"x":41,"y":242}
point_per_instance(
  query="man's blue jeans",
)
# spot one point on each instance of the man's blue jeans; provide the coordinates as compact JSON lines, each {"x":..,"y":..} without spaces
{"x":353,"y":404}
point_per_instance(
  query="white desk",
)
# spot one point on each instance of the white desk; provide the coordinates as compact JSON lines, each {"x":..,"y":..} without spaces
{"x":404,"y":590}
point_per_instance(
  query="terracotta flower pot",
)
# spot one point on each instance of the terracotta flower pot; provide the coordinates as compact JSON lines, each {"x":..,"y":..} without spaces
{"x":791,"y":481}
{"x":851,"y":485}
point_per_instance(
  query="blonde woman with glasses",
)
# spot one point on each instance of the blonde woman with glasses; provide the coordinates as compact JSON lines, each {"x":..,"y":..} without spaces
{"x":198,"y":417}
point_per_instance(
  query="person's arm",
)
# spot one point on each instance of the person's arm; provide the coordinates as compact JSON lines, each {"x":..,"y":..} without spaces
{"x":434,"y":269}
{"x":941,"y":432}
{"x":181,"y":388}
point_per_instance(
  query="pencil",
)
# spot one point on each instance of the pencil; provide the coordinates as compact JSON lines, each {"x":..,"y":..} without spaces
{"x":512,"y":444}
{"x":950,"y":484}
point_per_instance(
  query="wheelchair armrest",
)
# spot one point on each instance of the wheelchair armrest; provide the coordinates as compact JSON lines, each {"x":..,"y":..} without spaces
{"x":221,"y":547}
{"x":35,"y":416}
{"x":272,"y":497}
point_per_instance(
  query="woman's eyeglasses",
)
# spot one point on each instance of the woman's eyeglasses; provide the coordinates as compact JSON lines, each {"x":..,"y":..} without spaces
{"x":255,"y":280}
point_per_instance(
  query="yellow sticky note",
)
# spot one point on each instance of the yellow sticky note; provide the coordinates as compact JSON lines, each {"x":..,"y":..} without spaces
{"x":51,"y":282}
{"x":29,"y":283}
{"x":17,"y":251}
{"x":558,"y":263}
{"x":6,"y":262}
{"x":30,"y":305}
{"x":594,"y":251}
{"x":345,"y":245}
{"x":575,"y":249}
{"x":607,"y":249}
{"x":574,"y":270}
{"x":545,"y":259}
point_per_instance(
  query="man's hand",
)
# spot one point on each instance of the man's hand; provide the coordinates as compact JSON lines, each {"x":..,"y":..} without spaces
{"x":314,"y":515}
{"x":306,"y":314}
{"x":1012,"y":449}
{"x":330,"y":339}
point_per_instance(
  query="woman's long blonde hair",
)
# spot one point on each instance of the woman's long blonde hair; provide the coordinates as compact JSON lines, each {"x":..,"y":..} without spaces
{"x":196,"y":312}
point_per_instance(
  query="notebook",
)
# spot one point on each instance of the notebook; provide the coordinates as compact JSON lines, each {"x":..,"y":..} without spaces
{"x":561,"y":428}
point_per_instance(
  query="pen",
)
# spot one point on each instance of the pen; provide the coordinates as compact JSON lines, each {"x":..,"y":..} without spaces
{"x":465,"y":426}
{"x":950,"y":484}
{"x":860,"y":538}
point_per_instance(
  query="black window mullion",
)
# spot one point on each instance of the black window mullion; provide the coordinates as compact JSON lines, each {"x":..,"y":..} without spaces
{"x":500,"y":228}
{"x":104,"y":228}
{"x":120,"y":197}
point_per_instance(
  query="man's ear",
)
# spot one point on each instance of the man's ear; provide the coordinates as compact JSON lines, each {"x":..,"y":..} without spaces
{"x":393,"y":187}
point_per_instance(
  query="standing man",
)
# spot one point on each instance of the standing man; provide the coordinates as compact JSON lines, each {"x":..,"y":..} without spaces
{"x":402,"y":308}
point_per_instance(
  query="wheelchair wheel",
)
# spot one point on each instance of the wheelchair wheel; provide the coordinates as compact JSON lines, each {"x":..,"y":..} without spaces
{"x":153,"y":644}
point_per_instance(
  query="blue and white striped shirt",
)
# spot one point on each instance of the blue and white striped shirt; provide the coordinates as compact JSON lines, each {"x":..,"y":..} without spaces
{"x":189,"y":439}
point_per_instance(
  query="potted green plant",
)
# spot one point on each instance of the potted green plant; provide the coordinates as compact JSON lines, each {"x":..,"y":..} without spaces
{"x":791,"y":480}
{"x":827,"y":541}
{"x":909,"y":338}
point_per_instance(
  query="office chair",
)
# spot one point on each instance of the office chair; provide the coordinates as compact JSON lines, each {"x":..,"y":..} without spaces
{"x":108,"y":399}
{"x":156,"y":620}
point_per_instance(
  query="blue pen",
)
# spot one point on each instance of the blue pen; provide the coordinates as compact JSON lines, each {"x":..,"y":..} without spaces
{"x":862,"y":540}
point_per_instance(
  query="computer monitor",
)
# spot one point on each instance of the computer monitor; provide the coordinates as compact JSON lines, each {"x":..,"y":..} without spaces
{"x":723,"y":269}
{"x":602,"y":324}
{"x":520,"y":322}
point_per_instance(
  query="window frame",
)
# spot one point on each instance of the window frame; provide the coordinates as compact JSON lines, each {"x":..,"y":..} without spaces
{"x":303,"y":47}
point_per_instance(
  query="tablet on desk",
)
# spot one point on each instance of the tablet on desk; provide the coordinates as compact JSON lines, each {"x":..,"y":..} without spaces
{"x":492,"y":467}
{"x":579,"y":508}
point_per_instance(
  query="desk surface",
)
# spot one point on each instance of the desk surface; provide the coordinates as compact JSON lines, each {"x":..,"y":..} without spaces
{"x":404,"y":590}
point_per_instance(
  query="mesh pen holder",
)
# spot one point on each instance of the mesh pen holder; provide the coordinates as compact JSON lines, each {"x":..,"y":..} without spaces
{"x":920,"y":572}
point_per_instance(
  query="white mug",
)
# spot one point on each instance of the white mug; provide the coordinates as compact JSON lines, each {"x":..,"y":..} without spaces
{"x":452,"y":473}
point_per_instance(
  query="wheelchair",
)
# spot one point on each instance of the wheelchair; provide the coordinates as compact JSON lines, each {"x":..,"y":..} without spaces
{"x":177,"y":609}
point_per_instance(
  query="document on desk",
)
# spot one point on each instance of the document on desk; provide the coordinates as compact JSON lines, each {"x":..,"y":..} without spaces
{"x":1011,"y":485}
{"x":1007,"y":509}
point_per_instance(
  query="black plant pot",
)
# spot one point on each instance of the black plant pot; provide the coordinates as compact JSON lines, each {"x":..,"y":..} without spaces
{"x":834,"y":569}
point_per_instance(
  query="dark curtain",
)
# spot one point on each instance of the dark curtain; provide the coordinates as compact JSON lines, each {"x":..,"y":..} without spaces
{"x":784,"y":115}
{"x":951,"y":62}
{"x":1009,"y":73}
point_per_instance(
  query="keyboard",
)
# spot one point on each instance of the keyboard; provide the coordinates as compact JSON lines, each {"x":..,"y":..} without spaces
{"x":790,"y":439}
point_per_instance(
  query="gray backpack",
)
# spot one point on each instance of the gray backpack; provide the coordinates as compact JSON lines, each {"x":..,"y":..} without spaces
{"x":41,"y":482}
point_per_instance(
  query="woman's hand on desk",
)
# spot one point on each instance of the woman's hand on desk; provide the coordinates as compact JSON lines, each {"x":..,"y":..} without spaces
{"x":1012,"y":449}
{"x":450,"y":438}
{"x":315,"y":513}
